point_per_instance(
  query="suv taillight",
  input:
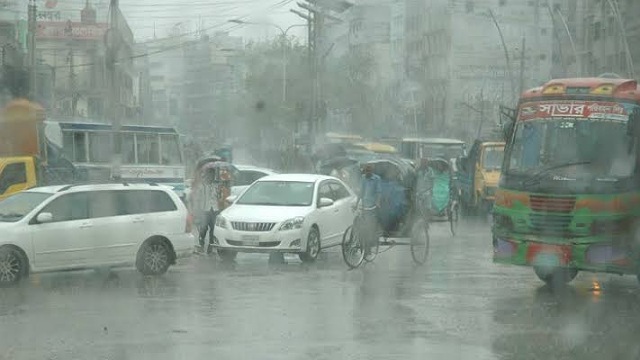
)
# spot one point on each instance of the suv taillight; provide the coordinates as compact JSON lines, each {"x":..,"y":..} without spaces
{"x":189,"y":226}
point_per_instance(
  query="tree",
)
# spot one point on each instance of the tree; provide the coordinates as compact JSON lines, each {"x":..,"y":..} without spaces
{"x":266,"y":115}
{"x":348,"y":84}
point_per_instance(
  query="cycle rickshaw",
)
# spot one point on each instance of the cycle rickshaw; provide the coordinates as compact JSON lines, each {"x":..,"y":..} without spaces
{"x":441,"y":203}
{"x":400,"y":221}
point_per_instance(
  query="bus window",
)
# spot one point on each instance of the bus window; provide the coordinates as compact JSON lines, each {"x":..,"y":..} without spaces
{"x":100,"y":147}
{"x":170,"y":150}
{"x":408,"y":150}
{"x":79,"y":147}
{"x":128,"y":149}
{"x":148,"y":149}
{"x":67,"y":145}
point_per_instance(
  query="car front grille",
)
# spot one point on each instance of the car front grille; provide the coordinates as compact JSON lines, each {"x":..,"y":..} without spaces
{"x":252,"y":226}
{"x":262,"y":244}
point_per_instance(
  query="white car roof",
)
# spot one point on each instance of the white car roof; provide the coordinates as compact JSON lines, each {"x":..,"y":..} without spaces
{"x":312,"y":178}
{"x":256,"y":168}
{"x":93,"y":187}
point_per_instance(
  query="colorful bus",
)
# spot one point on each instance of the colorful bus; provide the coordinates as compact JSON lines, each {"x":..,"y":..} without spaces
{"x":149,"y":153}
{"x":568,"y":198}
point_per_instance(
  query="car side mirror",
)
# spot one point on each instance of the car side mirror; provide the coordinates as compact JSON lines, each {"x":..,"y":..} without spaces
{"x":44,"y":218}
{"x":324,"y":202}
{"x":231,"y":199}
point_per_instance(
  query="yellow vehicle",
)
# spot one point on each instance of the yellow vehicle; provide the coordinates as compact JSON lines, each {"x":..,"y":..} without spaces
{"x":24,"y":151}
{"x":379,"y":148}
{"x":334,"y":138}
{"x":479,"y":174}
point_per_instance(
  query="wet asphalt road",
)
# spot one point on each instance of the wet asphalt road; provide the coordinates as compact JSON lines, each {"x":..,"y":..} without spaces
{"x":459,"y":306}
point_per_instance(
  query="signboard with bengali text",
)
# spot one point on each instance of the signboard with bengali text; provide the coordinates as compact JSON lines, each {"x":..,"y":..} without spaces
{"x":574,"y":109}
{"x":66,"y":30}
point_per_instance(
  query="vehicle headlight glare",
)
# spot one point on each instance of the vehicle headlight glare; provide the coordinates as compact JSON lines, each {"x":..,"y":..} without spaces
{"x":221,"y":222}
{"x":292,"y":224}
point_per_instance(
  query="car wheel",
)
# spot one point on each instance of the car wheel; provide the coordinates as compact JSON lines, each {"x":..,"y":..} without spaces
{"x":154,"y":257}
{"x":12,"y":266}
{"x":313,"y":246}
{"x":227,"y":255}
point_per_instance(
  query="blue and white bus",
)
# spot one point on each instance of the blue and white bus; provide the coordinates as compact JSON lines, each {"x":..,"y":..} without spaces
{"x":149,"y":153}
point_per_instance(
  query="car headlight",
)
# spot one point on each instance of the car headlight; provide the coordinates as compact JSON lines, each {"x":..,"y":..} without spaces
{"x":292,"y":224}
{"x":221,"y":222}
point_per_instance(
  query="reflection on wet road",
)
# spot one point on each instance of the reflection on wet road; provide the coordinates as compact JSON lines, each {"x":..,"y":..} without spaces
{"x":459,"y":306}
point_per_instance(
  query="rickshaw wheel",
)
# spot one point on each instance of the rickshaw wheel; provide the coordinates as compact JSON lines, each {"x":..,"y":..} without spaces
{"x":420,"y":242}
{"x":352,"y":249}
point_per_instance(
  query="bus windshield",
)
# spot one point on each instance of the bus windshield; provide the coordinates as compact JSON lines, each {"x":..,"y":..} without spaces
{"x":572,"y":148}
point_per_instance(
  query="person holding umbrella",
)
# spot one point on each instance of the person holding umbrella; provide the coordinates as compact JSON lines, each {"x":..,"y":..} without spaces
{"x":204,"y":205}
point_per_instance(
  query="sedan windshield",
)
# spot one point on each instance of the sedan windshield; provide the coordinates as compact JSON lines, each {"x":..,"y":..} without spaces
{"x":278,"y":193}
{"x":15,"y":207}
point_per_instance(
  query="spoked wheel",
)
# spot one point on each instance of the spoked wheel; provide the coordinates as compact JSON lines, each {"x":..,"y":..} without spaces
{"x":454,"y":217}
{"x":420,"y":242}
{"x":352,"y":249}
{"x":12,"y":267}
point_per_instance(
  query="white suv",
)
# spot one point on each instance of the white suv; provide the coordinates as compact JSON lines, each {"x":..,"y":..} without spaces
{"x":91,"y":226}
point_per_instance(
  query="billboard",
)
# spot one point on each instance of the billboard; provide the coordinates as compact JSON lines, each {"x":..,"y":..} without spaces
{"x":63,"y":10}
{"x":70,"y":30}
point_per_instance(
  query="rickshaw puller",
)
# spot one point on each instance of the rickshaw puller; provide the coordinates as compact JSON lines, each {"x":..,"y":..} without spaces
{"x":370,"y":196}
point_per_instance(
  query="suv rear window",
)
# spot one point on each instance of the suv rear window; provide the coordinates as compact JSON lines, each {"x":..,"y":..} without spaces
{"x":99,"y":204}
{"x":140,"y":202}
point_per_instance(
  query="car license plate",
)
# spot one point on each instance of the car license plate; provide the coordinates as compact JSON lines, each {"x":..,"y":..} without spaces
{"x":250,"y":240}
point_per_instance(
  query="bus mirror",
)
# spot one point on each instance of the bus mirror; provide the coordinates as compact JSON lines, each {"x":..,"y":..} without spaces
{"x":507,"y":130}
{"x":633,"y":125}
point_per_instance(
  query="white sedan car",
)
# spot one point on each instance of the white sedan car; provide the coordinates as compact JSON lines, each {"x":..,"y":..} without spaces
{"x":288,"y":213}
{"x":246,"y":176}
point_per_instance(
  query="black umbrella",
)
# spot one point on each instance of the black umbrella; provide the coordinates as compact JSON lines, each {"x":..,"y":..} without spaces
{"x":338,"y":163}
{"x":209,"y":159}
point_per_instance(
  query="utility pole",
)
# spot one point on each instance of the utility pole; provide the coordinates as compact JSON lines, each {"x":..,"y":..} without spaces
{"x":112,"y":40}
{"x":504,"y":47}
{"x":72,"y":83}
{"x":32,"y":47}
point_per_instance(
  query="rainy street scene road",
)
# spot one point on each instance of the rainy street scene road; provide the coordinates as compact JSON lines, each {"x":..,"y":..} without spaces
{"x":319,"y":179}
{"x":457,"y":306}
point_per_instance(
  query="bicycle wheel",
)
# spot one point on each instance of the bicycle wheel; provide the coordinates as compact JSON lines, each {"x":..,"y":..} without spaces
{"x":420,"y":242}
{"x":352,"y":249}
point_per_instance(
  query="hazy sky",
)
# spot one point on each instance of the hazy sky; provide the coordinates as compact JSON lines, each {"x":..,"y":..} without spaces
{"x":143,"y":15}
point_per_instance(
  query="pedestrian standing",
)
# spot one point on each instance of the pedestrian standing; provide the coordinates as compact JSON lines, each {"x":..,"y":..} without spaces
{"x":204,"y":205}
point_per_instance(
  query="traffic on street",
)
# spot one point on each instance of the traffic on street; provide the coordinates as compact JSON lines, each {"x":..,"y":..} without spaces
{"x":459,"y":305}
{"x":319,"y":179}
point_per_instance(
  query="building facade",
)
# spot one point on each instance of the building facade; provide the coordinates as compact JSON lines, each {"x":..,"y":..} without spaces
{"x":471,"y":56}
{"x":597,"y":36}
{"x":71,"y":51}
